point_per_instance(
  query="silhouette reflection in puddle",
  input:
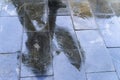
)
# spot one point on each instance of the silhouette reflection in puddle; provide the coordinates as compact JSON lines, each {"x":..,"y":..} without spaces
{"x":39,"y":41}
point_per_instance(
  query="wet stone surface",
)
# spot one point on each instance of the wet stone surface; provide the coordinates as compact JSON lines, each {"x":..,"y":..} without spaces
{"x":59,"y":39}
{"x":35,"y":21}
{"x":66,"y":71}
{"x":64,"y":22}
{"x":9,"y":68}
{"x":116,"y":8}
{"x":8,"y":26}
{"x":95,"y":51}
{"x":102,"y":76}
{"x":109,"y":27}
{"x":100,"y":7}
{"x":63,"y":9}
{"x":38,"y":78}
{"x":82,"y":16}
{"x":115,"y":53}
{"x":8,"y":9}
{"x":36,"y":54}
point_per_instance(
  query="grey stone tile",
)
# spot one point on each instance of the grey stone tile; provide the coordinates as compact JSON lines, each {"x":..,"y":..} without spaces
{"x":63,"y":9}
{"x":2,"y":2}
{"x":109,"y":27}
{"x":65,"y":39}
{"x":36,"y":17}
{"x":102,"y":76}
{"x":27,"y":1}
{"x":10,"y":34}
{"x":97,"y":57}
{"x":32,"y":72}
{"x":64,"y":22}
{"x":82,"y":16}
{"x":35,"y":1}
{"x":8,"y":9}
{"x":78,"y":1}
{"x":100,"y":7}
{"x":36,"y":55}
{"x":117,"y":67}
{"x":63,"y":70}
{"x":35,"y":11}
{"x":112,"y":1}
{"x":116,"y":7}
{"x":90,"y":38}
{"x":115,"y":54}
{"x":0,"y":8}
{"x":38,"y":78}
{"x":9,"y":67}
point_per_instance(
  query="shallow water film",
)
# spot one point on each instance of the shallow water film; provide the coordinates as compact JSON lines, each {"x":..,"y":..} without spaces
{"x":59,"y":40}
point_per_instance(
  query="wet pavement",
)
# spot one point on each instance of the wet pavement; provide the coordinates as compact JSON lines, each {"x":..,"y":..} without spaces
{"x":59,"y":40}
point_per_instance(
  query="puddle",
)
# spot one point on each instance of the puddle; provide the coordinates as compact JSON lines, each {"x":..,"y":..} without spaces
{"x":41,"y":24}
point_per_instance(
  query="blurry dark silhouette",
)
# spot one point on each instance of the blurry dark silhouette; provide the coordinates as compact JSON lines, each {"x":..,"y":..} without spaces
{"x":38,"y":43}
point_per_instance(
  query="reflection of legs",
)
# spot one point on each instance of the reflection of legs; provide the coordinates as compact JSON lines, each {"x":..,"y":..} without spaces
{"x":38,"y":43}
{"x":39,"y":56}
{"x":64,"y":38}
{"x":54,"y":5}
{"x":69,"y":45}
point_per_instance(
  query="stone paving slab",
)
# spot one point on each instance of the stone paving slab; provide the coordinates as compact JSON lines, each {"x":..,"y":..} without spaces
{"x":27,"y":67}
{"x":9,"y":69}
{"x":102,"y":76}
{"x":100,"y":7}
{"x":98,"y":63}
{"x":115,"y":54}
{"x":8,"y":9}
{"x":63,"y":70}
{"x":109,"y":28}
{"x":10,"y":34}
{"x":64,"y":22}
{"x":116,"y":8}
{"x":27,"y":71}
{"x":38,"y":78}
{"x":64,"y":11}
{"x":97,"y":56}
{"x":82,"y":15}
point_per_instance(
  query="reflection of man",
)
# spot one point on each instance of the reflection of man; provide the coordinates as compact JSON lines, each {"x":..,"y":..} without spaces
{"x":38,"y":42}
